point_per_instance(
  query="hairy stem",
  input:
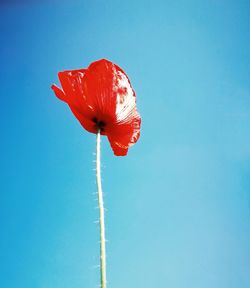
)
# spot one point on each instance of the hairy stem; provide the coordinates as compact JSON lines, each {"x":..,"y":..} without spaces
{"x":101,"y":211}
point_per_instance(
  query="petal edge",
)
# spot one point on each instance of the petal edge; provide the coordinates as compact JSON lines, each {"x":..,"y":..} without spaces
{"x":59,"y":93}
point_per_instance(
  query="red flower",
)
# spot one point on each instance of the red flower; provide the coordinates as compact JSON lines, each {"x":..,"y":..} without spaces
{"x":101,"y":98}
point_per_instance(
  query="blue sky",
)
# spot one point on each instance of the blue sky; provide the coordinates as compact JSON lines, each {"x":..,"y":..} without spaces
{"x":178,"y":206}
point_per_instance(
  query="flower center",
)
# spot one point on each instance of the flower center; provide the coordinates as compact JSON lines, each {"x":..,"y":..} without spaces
{"x":99,"y":124}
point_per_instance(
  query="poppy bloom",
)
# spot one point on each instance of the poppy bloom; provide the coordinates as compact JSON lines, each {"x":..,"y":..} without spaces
{"x":103,"y":100}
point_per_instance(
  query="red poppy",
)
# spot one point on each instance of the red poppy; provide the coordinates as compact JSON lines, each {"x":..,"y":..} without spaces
{"x":102,"y":99}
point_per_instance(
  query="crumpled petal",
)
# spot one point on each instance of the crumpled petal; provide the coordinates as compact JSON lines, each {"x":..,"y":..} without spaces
{"x":101,"y":98}
{"x":126,"y":136}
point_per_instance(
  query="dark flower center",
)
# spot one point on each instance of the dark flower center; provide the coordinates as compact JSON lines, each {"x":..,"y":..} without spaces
{"x":99,"y":124}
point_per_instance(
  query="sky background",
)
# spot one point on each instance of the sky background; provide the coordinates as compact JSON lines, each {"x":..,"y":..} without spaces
{"x":178,"y":206}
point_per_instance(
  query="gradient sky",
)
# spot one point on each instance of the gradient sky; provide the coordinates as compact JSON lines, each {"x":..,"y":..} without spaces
{"x":178,"y":206}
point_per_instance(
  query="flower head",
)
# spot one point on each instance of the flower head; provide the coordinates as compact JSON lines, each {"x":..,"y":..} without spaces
{"x":102,"y":99}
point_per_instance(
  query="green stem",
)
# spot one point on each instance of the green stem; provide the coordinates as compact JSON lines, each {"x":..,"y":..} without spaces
{"x":101,"y":211}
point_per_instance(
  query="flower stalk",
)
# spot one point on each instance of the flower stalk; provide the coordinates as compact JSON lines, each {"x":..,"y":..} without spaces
{"x":101,"y":211}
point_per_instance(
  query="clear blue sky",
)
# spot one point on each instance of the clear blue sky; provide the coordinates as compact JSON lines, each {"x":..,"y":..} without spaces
{"x":178,"y":206}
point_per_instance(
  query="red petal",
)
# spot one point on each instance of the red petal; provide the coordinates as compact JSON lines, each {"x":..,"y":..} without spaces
{"x":125,"y":135}
{"x":99,"y":86}
{"x":113,"y":99}
{"x":71,"y":81}
{"x":59,"y":93}
{"x":72,"y":93}
{"x":101,"y":97}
